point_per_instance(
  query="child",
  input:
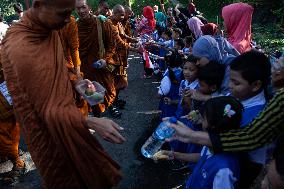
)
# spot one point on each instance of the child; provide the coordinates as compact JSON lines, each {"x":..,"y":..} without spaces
{"x":217,"y":170}
{"x":209,"y":78}
{"x":169,"y":87}
{"x":188,"y":41}
{"x":249,"y":79}
{"x":178,"y":44}
{"x":176,"y":33}
{"x":206,"y":49}
{"x":190,"y":72}
{"x":214,"y":171}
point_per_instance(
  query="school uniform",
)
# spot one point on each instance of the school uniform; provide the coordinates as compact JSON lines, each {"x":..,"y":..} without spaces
{"x":214,"y":171}
{"x":252,"y":162}
{"x":170,"y":90}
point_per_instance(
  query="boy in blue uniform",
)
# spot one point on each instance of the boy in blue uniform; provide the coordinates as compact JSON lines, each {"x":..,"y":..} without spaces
{"x":250,"y":75}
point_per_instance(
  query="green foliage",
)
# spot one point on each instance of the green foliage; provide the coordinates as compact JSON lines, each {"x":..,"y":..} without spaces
{"x":269,"y":37}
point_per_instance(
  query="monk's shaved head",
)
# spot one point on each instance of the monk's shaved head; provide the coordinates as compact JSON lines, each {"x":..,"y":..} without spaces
{"x":117,"y":9}
{"x":53,"y":14}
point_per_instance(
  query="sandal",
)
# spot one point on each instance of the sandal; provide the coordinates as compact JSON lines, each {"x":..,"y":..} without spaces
{"x":114,"y":112}
{"x":120,"y":104}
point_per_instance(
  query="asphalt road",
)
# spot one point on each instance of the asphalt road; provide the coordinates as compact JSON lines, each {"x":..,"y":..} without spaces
{"x":139,"y":118}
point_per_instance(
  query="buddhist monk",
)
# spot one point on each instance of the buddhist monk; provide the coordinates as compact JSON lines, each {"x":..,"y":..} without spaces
{"x":70,"y":43}
{"x":95,"y":39}
{"x":9,"y":137}
{"x":56,"y":133}
{"x":121,"y":48}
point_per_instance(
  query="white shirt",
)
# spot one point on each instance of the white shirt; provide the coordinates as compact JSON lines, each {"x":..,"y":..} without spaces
{"x":3,"y":30}
{"x":166,"y":84}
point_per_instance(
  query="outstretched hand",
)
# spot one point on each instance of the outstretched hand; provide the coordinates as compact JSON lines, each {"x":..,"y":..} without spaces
{"x":182,"y":132}
{"x":107,"y":129}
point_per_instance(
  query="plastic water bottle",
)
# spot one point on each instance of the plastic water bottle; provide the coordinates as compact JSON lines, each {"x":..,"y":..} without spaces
{"x":157,"y":139}
{"x":98,"y":64}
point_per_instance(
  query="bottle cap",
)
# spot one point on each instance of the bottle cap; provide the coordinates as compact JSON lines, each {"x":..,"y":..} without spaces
{"x":173,"y":120}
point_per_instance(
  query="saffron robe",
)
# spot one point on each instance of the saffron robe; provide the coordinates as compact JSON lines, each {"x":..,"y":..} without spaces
{"x":65,"y":153}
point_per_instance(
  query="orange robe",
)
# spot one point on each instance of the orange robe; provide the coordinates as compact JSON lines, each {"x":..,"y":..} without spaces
{"x":9,"y":130}
{"x":65,"y":153}
{"x":70,"y":43}
{"x":95,"y":43}
{"x":119,"y":58}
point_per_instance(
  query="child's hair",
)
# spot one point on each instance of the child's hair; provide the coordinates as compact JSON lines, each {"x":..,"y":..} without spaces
{"x":190,"y":58}
{"x":178,"y":30}
{"x":253,"y":66}
{"x":188,"y":40}
{"x":173,"y":60}
{"x":212,"y":74}
{"x":160,"y":30}
{"x":179,"y":42}
{"x":223,"y":114}
{"x":168,"y":32}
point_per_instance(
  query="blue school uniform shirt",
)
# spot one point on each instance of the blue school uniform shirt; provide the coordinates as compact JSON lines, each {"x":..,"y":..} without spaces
{"x":170,"y":90}
{"x":184,"y":84}
{"x":214,"y":171}
{"x":252,"y":107}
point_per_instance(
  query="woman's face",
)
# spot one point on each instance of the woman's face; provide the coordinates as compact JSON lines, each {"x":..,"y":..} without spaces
{"x":202,"y":61}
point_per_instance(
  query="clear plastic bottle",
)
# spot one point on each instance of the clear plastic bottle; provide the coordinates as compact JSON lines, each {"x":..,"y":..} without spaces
{"x":157,"y":139}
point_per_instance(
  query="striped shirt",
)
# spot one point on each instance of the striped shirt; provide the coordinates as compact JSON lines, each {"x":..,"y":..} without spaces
{"x":263,"y":130}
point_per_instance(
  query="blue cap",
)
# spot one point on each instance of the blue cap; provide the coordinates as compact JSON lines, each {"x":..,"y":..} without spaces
{"x":173,"y":120}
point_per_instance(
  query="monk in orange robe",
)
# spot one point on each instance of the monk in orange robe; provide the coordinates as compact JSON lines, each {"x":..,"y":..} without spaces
{"x":122,"y":47}
{"x":57,"y":135}
{"x":70,"y":43}
{"x":9,"y":136}
{"x":96,"y":43}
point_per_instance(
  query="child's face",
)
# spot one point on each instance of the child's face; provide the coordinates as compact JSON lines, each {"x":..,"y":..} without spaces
{"x":175,"y":35}
{"x":204,"y":88}
{"x":241,"y":88}
{"x":190,"y":71}
{"x":164,"y":36}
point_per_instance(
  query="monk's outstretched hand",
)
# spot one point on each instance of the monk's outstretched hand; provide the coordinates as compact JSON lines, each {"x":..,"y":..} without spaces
{"x":107,"y":129}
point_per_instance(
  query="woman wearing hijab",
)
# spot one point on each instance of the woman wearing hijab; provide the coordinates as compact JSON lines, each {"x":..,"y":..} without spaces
{"x":194,"y":25}
{"x":206,"y":49}
{"x":227,"y":50}
{"x":237,"y":20}
{"x":148,"y":23}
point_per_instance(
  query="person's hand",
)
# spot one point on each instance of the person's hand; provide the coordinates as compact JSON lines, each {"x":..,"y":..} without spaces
{"x":107,"y":129}
{"x":103,"y":62}
{"x":163,"y":155}
{"x":196,"y":95}
{"x":168,"y":101}
{"x":182,"y":132}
